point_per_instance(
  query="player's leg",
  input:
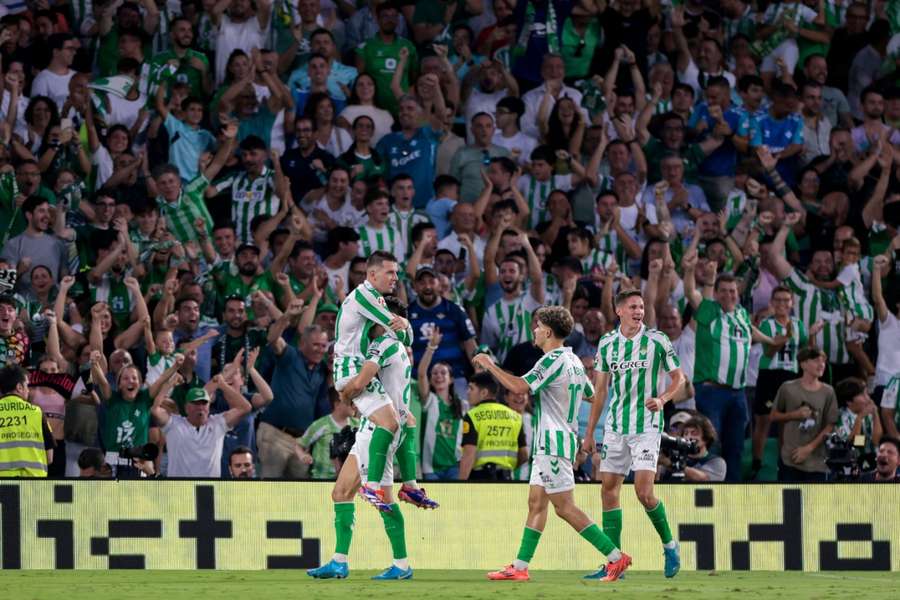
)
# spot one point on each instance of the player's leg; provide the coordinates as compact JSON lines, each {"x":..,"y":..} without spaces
{"x":560,"y":487}
{"x":384,"y":417}
{"x":615,"y":463}
{"x":408,"y":460}
{"x":342,"y":495}
{"x":645,"y":452}
{"x":394,"y":526}
{"x":538,"y":503}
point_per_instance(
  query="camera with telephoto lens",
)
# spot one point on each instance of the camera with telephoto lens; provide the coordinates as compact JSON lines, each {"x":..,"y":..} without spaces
{"x":843,"y":458}
{"x":145,"y":452}
{"x":678,"y":449}
{"x":341,"y":443}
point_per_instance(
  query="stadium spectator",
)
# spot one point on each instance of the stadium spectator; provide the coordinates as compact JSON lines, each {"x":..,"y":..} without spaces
{"x":314,"y":447}
{"x":300,"y":386}
{"x":887,"y":462}
{"x":806,"y":411}
{"x":702,"y":465}
{"x":194,"y":442}
{"x":240,"y":463}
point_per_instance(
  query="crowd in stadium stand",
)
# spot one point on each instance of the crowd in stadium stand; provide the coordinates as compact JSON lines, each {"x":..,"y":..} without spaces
{"x":189,"y":189}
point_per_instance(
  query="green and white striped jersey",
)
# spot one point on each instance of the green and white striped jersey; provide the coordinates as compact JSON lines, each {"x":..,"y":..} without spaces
{"x":559,"y":384}
{"x":597,"y":258}
{"x":890,"y":396}
{"x":250,"y":198}
{"x":190,"y":205}
{"x":115,"y":293}
{"x":507,"y":323}
{"x":786,"y":358}
{"x":552,"y":290}
{"x":394,"y":371}
{"x":723,"y":345}
{"x":403,"y":222}
{"x":363,"y":308}
{"x":637,"y":368}
{"x":854,"y":293}
{"x":536,"y":193}
{"x":442,"y":443}
{"x":814,"y":303}
{"x":383,"y":238}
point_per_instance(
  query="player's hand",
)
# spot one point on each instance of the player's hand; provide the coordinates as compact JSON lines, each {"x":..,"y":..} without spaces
{"x":654,"y":404}
{"x":399,"y":323}
{"x":482,"y":360}
{"x":588,"y":447}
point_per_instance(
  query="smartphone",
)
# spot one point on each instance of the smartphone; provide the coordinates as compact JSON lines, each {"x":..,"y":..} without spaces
{"x":462,"y":254}
{"x":65,"y":123}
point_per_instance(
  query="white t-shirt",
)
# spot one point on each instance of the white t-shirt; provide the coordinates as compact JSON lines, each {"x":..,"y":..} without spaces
{"x":480,"y":102}
{"x":520,"y":142}
{"x":123,"y":111}
{"x":888,"y":363}
{"x":55,"y":86}
{"x":21,"y":127}
{"x":532,"y":102}
{"x":231,"y":36}
{"x":195,"y":452}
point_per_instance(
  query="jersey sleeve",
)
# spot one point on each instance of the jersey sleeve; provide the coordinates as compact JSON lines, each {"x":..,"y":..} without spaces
{"x":600,"y":362}
{"x":372,"y":306}
{"x":469,"y":433}
{"x":545,"y":371}
{"x":312,"y":435}
{"x":382,"y":351}
{"x":667,"y":354}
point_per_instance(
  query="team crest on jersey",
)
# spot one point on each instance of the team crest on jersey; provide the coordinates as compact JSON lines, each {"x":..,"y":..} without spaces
{"x":381,"y":301}
{"x":440,"y":315}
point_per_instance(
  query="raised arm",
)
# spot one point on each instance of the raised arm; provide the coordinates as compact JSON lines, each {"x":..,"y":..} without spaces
{"x":98,"y":375}
{"x":513,"y":383}
{"x":781,"y":268}
{"x":534,"y":269}
{"x":425,"y":362}
{"x":882,"y":267}
{"x":689,"y":267}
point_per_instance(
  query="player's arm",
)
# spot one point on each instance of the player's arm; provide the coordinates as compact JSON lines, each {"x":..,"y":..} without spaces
{"x":601,"y":386}
{"x":513,"y":383}
{"x":371,"y":309}
{"x":678,"y":380}
{"x":356,"y":385}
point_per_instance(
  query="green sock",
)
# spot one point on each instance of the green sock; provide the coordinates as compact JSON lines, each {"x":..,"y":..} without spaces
{"x":343,"y":527}
{"x":612,"y":525}
{"x":393,"y":527}
{"x":660,"y":523}
{"x":406,"y":454}
{"x":530,"y":539}
{"x":596,"y":538}
{"x":378,"y":447}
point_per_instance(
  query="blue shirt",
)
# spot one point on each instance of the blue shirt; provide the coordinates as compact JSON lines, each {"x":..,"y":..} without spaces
{"x":778,"y":134}
{"x":439,"y":211}
{"x":455,"y":328}
{"x":186,"y":144}
{"x":340,"y":74}
{"x":414,"y":157}
{"x":724,"y":159}
{"x":203,"y":368}
{"x":301,"y":393}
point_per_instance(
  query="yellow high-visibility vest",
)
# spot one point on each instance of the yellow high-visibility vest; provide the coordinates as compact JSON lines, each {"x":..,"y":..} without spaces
{"x":498,"y":428}
{"x":22,"y":451}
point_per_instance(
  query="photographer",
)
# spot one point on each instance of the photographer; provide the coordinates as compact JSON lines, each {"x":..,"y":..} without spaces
{"x":700,"y":465}
{"x":858,"y":424}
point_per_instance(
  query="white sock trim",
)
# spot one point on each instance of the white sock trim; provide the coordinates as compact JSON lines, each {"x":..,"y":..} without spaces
{"x":340,"y":558}
{"x":520,"y":565}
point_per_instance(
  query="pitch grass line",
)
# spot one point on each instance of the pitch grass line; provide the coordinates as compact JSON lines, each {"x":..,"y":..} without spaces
{"x":433,"y":585}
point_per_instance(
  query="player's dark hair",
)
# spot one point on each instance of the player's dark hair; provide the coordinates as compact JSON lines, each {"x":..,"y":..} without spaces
{"x":395,"y":305}
{"x":379,"y":257}
{"x":557,"y":318}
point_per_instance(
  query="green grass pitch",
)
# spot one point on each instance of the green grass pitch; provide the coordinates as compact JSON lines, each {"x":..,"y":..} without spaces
{"x":428,"y":585}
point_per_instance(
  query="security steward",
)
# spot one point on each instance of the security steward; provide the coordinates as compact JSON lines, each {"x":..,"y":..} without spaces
{"x":493,"y":441}
{"x":24,"y":433}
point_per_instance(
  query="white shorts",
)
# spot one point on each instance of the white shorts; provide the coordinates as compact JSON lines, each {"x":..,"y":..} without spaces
{"x":553,"y":473}
{"x":370,"y":399}
{"x":623,"y":453}
{"x":360,"y":450}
